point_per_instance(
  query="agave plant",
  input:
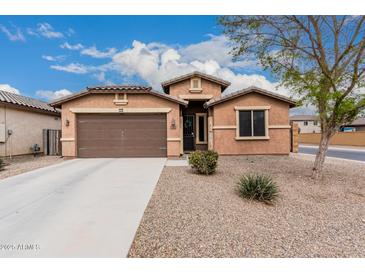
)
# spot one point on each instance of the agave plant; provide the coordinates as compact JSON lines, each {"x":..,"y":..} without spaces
{"x":259,"y":187}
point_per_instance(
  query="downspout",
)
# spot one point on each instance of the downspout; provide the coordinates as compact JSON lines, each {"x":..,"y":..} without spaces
{"x":6,"y":139}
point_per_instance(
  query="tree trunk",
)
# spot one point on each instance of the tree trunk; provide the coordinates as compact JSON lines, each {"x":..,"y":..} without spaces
{"x":321,"y":154}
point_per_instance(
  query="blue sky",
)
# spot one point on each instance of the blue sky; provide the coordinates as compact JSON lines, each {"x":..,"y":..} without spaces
{"x":49,"y":56}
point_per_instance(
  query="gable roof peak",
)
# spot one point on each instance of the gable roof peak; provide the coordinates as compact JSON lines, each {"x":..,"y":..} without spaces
{"x":196,"y":73}
{"x":118,"y":89}
{"x":232,"y":95}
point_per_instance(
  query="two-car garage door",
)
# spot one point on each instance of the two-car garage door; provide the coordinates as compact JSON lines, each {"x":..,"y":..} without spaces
{"x":121,"y":135}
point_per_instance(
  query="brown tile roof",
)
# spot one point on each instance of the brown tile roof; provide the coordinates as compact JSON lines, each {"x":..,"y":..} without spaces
{"x":23,"y":101}
{"x":114,"y":89}
{"x":212,"y":78}
{"x":226,"y":97}
{"x":124,"y":88}
{"x":304,"y":118}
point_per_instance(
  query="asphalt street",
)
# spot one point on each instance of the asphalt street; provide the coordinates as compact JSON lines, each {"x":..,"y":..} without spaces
{"x":344,"y":153}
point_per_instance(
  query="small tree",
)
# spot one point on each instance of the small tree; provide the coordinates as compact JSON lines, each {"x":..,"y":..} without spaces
{"x":319,"y":58}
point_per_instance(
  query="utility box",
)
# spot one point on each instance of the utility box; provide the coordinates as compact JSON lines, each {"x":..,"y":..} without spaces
{"x":2,"y":133}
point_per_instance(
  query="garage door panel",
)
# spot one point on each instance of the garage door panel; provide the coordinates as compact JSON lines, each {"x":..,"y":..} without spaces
{"x":122,"y":135}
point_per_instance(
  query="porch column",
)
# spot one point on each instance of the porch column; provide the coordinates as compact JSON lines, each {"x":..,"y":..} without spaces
{"x":181,"y":135}
{"x":210,"y":130}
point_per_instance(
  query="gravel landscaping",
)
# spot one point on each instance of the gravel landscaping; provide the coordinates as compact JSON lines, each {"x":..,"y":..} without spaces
{"x":191,"y":215}
{"x":21,"y":164}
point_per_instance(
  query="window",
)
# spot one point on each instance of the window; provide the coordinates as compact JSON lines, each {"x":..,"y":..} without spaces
{"x":315,"y":123}
{"x":305,"y":123}
{"x":195,"y":84}
{"x":201,"y":128}
{"x":245,"y":123}
{"x":252,"y":123}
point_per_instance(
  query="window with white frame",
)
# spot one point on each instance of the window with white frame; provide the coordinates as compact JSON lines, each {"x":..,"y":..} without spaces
{"x":305,"y":123}
{"x":252,"y":123}
{"x":201,"y":128}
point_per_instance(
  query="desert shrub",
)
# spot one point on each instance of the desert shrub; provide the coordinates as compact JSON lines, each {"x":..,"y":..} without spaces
{"x":259,"y":187}
{"x":204,"y":162}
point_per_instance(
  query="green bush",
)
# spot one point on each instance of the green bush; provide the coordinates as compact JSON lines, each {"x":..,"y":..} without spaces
{"x":204,"y":162}
{"x":257,"y":187}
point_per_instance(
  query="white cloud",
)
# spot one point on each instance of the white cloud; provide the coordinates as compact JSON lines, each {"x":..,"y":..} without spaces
{"x":94,"y":52}
{"x":8,"y":88}
{"x":14,"y":36}
{"x":72,"y":68}
{"x":66,"y":45}
{"x":156,"y":63}
{"x":50,"y":95}
{"x":216,"y":48}
{"x":100,"y":76}
{"x":45,"y":30}
{"x":70,"y":32}
{"x":53,"y":58}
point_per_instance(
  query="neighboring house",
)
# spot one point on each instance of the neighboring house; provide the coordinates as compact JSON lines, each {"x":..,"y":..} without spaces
{"x":307,"y":123}
{"x":191,"y":114}
{"x":356,"y":125}
{"x":22,"y":120}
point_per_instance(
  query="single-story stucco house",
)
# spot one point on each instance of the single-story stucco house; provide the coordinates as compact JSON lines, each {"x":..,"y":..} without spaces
{"x":22,"y":121}
{"x":190,"y":114}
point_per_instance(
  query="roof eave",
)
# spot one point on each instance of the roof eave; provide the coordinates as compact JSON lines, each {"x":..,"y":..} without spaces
{"x":59,"y":102}
{"x":291,"y":102}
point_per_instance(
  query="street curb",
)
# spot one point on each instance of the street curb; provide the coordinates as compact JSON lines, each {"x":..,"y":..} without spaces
{"x":333,"y":158}
{"x":337,"y":148}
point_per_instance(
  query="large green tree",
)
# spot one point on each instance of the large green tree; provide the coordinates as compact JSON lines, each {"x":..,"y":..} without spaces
{"x":319,"y":58}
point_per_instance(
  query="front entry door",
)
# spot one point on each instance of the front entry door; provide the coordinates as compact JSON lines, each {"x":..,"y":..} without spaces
{"x":189,"y":138}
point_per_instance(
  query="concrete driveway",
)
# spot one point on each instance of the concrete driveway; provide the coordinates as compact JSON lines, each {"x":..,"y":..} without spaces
{"x":79,"y":208}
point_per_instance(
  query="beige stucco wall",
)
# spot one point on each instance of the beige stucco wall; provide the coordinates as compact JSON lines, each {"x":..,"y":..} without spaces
{"x":27,"y":127}
{"x":224,"y":114}
{"x":69,"y":134}
{"x":183,"y":88}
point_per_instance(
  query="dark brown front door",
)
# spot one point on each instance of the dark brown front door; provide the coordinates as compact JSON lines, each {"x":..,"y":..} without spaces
{"x":189,"y":138}
{"x":121,"y":135}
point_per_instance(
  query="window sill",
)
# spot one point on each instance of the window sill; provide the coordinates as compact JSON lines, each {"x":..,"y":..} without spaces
{"x":201,"y":143}
{"x":195,"y":90}
{"x":252,"y":138}
{"x":120,"y":102}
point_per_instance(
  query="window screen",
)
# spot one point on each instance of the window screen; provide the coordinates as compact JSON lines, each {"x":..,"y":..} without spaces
{"x":252,"y":123}
{"x":245,"y":123}
{"x":201,"y":129}
{"x":258,"y":123}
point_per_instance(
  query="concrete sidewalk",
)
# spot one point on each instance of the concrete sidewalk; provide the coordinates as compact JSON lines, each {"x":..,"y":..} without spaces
{"x":79,"y":208}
